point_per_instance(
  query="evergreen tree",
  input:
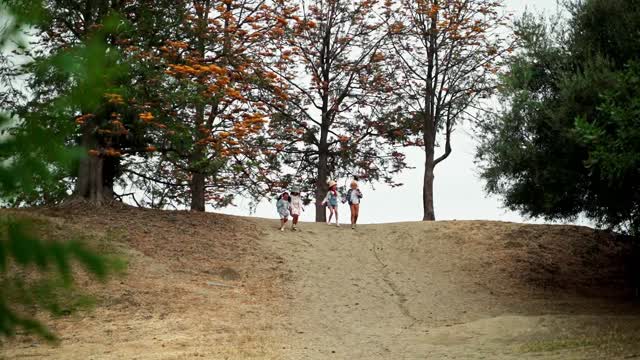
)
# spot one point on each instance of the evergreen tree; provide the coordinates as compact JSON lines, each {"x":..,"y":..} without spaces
{"x":566,"y":143}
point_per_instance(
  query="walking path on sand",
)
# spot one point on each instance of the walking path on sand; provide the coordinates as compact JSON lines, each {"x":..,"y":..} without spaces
{"x":443,"y":290}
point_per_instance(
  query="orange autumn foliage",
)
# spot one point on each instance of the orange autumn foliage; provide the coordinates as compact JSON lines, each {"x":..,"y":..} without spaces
{"x":146,"y":117}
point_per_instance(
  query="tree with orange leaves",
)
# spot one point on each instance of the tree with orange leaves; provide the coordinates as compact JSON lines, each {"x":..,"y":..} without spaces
{"x":447,"y":53}
{"x":332,"y":124}
{"x":209,"y":102}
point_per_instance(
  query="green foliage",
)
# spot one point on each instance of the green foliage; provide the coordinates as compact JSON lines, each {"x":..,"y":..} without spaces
{"x":567,"y":141}
{"x":37,"y":274}
{"x":613,"y":140}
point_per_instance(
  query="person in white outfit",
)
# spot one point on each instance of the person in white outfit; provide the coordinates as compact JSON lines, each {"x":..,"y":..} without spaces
{"x":353,"y":197}
{"x":296,"y":207}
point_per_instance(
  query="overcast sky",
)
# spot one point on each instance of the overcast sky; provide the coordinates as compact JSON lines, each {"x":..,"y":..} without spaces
{"x":458,"y":191}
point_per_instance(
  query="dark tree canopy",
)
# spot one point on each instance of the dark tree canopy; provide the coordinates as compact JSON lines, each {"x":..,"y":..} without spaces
{"x":566,"y":142}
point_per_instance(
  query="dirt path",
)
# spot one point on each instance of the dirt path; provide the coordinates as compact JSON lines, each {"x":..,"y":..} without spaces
{"x":423,"y":291}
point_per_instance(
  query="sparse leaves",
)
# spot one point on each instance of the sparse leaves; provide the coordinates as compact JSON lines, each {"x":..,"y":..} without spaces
{"x":446,"y":56}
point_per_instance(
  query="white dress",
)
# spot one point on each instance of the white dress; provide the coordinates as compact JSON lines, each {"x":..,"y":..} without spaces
{"x":296,"y":205}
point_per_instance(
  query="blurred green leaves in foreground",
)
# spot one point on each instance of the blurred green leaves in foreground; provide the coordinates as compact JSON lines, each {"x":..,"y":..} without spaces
{"x":36,"y":271}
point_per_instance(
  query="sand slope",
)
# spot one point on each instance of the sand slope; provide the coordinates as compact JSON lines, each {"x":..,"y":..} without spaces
{"x":221,"y":287}
{"x":455,"y":290}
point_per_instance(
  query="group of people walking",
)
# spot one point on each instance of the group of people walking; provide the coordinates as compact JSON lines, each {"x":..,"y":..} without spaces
{"x":292,"y":205}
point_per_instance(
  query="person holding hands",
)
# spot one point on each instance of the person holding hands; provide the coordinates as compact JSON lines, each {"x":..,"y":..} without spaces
{"x":353,"y":197}
{"x":331,"y":201}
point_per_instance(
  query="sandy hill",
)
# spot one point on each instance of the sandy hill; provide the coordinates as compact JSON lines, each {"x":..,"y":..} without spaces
{"x":221,"y":287}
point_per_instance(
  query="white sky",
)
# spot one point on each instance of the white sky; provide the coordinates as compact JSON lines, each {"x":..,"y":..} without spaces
{"x":458,"y":191}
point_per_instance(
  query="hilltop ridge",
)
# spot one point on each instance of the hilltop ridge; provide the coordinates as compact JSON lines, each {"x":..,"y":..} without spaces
{"x":203,"y":285}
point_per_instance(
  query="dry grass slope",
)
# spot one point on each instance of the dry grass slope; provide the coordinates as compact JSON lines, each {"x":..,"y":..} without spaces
{"x":165,"y":307}
{"x":221,"y":287}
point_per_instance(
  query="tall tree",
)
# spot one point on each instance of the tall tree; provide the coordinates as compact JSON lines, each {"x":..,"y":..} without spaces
{"x":565,"y":143}
{"x":332,"y":125}
{"x":447,"y":53}
{"x":71,"y":24}
{"x":209,"y":102}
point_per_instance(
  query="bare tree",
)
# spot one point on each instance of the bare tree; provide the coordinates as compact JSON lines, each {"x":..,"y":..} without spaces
{"x":448,"y":52}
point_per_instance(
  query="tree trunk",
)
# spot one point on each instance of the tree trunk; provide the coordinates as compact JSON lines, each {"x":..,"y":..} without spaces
{"x":96,"y":174}
{"x":427,"y":187}
{"x":429,"y":125}
{"x":198,"y":157}
{"x":198,"y":177}
{"x":197,"y":191}
{"x":321,"y":185}
{"x":95,"y":179}
{"x":429,"y":165}
{"x":323,"y":148}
